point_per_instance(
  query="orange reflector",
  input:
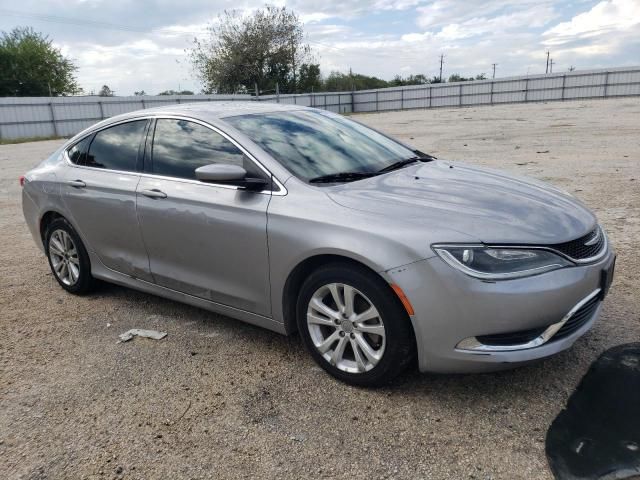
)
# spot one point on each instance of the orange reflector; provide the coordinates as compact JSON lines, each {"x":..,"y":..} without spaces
{"x":403,"y":298}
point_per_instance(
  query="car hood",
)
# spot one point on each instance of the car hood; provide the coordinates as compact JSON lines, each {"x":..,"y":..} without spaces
{"x":488,"y":205}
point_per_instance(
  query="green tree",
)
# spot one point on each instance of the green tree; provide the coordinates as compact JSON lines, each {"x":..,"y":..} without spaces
{"x":309,"y":78}
{"x":240,"y":52}
{"x":176,"y":92}
{"x":337,"y":81}
{"x":459,"y":78}
{"x":418,"y":79}
{"x":456,"y":77}
{"x":105,"y":91}
{"x":397,"y":81}
{"x":31,"y":66}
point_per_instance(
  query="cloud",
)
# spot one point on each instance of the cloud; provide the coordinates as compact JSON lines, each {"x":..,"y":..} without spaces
{"x":440,"y":13}
{"x":416,"y":37}
{"x":141,"y":45}
{"x":536,"y":16}
{"x":607,"y":17}
{"x":314,"y":17}
{"x":180,"y":31}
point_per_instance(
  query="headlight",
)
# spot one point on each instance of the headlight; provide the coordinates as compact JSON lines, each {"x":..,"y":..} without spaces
{"x":495,"y":263}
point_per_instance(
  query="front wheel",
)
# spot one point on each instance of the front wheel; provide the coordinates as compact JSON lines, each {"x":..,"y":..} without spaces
{"x":354,"y":326}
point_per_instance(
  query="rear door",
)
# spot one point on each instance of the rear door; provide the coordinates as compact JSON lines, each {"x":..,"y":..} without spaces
{"x":99,"y":190}
{"x":203,"y":239}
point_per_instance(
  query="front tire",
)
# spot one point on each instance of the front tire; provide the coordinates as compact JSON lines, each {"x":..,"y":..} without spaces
{"x":354,"y":326}
{"x":68,"y":257}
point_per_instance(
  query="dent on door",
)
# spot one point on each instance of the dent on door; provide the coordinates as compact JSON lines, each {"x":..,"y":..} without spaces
{"x":103,"y":206}
{"x":207,"y":241}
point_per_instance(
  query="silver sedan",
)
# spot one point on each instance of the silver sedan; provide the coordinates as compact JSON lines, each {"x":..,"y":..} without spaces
{"x":295,"y":219}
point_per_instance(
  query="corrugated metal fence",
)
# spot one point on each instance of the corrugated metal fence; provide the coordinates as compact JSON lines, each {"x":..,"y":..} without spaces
{"x":64,"y":116}
{"x":533,"y":88}
{"x":22,"y":117}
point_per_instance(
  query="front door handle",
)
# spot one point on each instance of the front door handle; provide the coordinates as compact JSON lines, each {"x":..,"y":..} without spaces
{"x":155,"y":193}
{"x":77,"y":183}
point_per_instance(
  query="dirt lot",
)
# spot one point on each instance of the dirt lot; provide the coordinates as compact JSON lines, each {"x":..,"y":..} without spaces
{"x":221,"y":399}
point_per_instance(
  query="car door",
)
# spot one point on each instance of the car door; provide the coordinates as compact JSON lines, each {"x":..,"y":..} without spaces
{"x":203,"y":239}
{"x":99,"y":190}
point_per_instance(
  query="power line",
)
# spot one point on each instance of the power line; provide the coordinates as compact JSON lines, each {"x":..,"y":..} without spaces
{"x":72,"y":21}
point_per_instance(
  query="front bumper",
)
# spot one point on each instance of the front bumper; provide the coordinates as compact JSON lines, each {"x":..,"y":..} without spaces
{"x":452,"y":309}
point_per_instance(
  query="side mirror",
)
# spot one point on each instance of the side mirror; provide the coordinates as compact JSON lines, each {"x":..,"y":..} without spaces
{"x":230,"y":175}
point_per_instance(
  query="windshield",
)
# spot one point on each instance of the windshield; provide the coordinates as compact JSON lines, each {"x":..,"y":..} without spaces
{"x":313,"y":144}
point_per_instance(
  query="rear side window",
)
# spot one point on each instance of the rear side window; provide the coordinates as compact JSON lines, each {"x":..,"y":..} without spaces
{"x":180,"y":146}
{"x":78,"y":153}
{"x":116,"y":148}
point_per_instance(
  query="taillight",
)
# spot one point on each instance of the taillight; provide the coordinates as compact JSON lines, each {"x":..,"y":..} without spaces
{"x":22,"y":180}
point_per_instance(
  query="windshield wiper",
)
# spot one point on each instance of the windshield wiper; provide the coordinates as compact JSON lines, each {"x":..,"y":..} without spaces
{"x":420,"y":157}
{"x":425,"y":157}
{"x":342,"y":177}
{"x":400,"y":164}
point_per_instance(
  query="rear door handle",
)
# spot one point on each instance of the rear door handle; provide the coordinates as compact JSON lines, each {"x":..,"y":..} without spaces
{"x":155,"y":193}
{"x":77,"y":183}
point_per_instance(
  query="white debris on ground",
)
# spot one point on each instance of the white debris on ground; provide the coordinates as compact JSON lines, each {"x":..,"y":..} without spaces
{"x":138,"y":332}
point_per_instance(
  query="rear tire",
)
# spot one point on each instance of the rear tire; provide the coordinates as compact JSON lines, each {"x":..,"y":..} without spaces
{"x":354,"y":326}
{"x":68,"y":257}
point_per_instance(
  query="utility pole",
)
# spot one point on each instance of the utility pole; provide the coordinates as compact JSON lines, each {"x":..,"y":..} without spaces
{"x":547,"y":70}
{"x":551,"y":65}
{"x":441,"y":62}
{"x":494,"y":70}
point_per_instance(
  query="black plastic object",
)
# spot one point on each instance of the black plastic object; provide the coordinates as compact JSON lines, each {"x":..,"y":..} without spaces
{"x":598,"y":435}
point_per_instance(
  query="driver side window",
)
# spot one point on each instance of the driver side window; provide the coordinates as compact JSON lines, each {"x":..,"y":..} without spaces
{"x":181,"y":146}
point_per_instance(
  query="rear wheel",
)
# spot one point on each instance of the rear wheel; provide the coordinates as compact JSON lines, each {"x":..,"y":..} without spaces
{"x":68,"y":258}
{"x":354,"y":326}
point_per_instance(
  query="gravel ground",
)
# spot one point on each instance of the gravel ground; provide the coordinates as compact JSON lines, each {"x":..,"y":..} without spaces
{"x":221,"y":399}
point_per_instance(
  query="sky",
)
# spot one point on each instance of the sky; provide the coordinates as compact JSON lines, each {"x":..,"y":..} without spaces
{"x":141,"y":45}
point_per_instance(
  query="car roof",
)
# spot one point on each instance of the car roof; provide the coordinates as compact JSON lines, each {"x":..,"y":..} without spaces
{"x":205,"y":110}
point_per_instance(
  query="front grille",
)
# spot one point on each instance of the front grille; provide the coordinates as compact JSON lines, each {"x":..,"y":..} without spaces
{"x":577,"y":250}
{"x":578,"y":319}
{"x":511,"y":338}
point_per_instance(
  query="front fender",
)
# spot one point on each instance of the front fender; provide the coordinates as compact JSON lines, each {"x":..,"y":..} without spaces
{"x":306,"y":224}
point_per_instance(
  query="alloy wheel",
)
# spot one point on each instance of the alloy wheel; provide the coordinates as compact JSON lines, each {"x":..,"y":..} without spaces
{"x":64,"y":257}
{"x":346,"y":328}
